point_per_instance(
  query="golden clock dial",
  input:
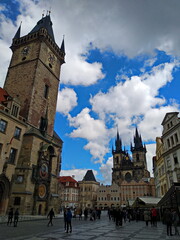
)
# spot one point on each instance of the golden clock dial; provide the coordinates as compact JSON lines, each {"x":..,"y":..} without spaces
{"x":51,"y":58}
{"x":25,"y":50}
{"x":42,"y":190}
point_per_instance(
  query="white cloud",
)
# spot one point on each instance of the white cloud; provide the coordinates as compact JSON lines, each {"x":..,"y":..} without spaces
{"x":136,"y":101}
{"x":106,"y":170}
{"x":67,"y":100}
{"x":131,"y":27}
{"x":93,"y":130}
{"x":77,"y":173}
{"x":151,"y":152}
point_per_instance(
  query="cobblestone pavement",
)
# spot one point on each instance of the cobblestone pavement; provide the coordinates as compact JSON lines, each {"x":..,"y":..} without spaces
{"x":105,"y":230}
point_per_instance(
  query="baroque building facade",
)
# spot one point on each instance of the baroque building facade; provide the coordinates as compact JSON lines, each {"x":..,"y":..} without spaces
{"x":171,"y":147}
{"x":130,"y":173}
{"x":30,"y":156}
{"x":69,"y":192}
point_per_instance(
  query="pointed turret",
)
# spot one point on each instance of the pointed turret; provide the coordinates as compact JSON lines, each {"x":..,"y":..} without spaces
{"x":46,"y":23}
{"x":89,"y":176}
{"x":118,"y":143}
{"x":63,"y":46}
{"x":18,"y":33}
{"x":138,"y":145}
{"x":137,"y":140}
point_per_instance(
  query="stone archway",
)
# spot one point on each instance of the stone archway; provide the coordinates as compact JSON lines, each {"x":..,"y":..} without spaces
{"x":4,"y":193}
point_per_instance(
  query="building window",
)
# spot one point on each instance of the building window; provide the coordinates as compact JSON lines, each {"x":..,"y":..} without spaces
{"x":17,"y":133}
{"x":15,"y":110}
{"x":168,"y":143}
{"x":1,"y":147}
{"x":3,"y":126}
{"x":176,"y":137}
{"x":175,"y":158}
{"x":12,"y":155}
{"x":17,"y":201}
{"x":172,"y":140}
{"x":46,"y":91}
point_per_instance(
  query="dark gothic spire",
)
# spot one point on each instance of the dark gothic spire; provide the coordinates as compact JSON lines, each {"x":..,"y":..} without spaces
{"x":18,"y":33}
{"x":137,"y":140}
{"x":118,"y":143}
{"x":46,"y":23}
{"x":63,"y":46}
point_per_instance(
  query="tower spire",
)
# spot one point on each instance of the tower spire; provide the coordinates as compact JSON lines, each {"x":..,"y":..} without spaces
{"x":18,"y":33}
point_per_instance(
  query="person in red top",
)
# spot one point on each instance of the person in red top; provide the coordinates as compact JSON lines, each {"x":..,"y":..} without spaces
{"x":154,"y":216}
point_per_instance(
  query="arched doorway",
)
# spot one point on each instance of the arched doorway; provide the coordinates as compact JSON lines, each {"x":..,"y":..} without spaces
{"x":4,"y":193}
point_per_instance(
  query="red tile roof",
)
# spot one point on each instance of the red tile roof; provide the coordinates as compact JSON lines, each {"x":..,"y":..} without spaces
{"x":65,"y":179}
{"x":3,"y":95}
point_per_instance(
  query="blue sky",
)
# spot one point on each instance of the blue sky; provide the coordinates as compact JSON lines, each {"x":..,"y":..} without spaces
{"x":122,"y":69}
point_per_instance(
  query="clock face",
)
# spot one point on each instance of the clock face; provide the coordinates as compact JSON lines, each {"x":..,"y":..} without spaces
{"x":25,"y":50}
{"x":51,"y":58}
{"x":42,"y":190}
{"x":44,"y":170}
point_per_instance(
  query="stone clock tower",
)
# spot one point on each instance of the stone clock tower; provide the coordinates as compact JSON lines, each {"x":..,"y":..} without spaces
{"x":33,"y":80}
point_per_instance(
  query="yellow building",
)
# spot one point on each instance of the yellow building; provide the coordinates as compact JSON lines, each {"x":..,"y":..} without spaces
{"x":32,"y":82}
{"x":160,"y":170}
{"x":108,"y":196}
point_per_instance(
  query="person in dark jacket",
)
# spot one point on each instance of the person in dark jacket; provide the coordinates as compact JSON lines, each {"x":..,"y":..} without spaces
{"x":65,"y":220}
{"x":16,"y":217}
{"x":167,"y":217}
{"x":10,"y":216}
{"x":50,"y":215}
{"x":68,"y":220}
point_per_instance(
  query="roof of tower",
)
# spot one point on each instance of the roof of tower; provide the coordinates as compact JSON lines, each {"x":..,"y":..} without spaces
{"x":18,"y":33}
{"x":63,"y":46}
{"x":89,"y":176}
{"x":46,"y":23}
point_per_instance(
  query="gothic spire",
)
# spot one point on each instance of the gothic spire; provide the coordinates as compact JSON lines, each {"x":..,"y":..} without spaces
{"x":18,"y":33}
{"x":63,"y":46}
{"x":118,"y":143}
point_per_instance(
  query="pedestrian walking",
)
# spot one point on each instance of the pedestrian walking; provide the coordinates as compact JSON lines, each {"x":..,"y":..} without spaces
{"x":16,"y":217}
{"x":175,"y":221}
{"x":154,"y":216}
{"x":10,"y":216}
{"x":50,"y":215}
{"x":65,"y":220}
{"x":68,"y":220}
{"x":85,"y":214}
{"x":80,"y":214}
{"x":147,"y":216}
{"x":167,"y":216}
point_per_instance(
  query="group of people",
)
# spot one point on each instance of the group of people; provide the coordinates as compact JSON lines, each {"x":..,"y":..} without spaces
{"x":171,"y":218}
{"x":13,"y":217}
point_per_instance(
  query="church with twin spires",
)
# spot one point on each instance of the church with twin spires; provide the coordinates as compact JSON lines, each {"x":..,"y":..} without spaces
{"x":130,"y":173}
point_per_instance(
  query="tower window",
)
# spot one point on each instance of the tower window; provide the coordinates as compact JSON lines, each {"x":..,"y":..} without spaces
{"x":15,"y":110}
{"x":46,"y":91}
{"x":17,"y":133}
{"x":3,"y":126}
{"x":12,"y":155}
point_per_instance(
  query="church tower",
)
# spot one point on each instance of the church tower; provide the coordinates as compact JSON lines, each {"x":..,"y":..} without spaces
{"x":139,"y":151}
{"x":33,"y":80}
